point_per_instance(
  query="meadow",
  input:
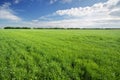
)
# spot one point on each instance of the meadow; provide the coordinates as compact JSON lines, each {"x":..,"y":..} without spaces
{"x":59,"y":54}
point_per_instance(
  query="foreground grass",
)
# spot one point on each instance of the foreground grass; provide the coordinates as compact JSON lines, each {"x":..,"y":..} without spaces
{"x":59,"y":54}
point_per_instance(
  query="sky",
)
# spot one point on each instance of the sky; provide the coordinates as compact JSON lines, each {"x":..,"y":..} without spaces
{"x":60,"y":13}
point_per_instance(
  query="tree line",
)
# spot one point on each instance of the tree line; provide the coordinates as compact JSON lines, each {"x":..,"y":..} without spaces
{"x":61,"y":28}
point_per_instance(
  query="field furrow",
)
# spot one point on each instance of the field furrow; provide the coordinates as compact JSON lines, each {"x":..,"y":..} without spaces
{"x":59,"y":54}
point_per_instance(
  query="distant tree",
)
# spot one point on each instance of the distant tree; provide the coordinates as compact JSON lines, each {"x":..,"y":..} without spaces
{"x":17,"y":27}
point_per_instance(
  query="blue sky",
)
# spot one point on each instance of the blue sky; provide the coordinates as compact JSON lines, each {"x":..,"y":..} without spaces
{"x":60,"y":13}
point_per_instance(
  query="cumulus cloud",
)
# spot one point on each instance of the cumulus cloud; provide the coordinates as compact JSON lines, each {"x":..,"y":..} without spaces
{"x":98,"y":9}
{"x":105,"y":14}
{"x":8,"y":14}
{"x":100,"y":14}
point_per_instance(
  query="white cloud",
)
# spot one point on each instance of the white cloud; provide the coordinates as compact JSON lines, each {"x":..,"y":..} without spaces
{"x":35,"y":20}
{"x":105,"y":14}
{"x":62,"y":1}
{"x":99,"y":10}
{"x":66,"y":1}
{"x":8,"y":14}
{"x":52,"y":1}
{"x":76,"y":23}
{"x":71,"y":23}
{"x":16,"y":1}
{"x":99,"y":15}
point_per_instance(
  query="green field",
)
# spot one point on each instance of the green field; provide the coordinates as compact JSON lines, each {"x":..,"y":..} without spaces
{"x":59,"y":54}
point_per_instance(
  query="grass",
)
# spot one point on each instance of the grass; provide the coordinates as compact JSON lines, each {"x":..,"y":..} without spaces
{"x":59,"y":54}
